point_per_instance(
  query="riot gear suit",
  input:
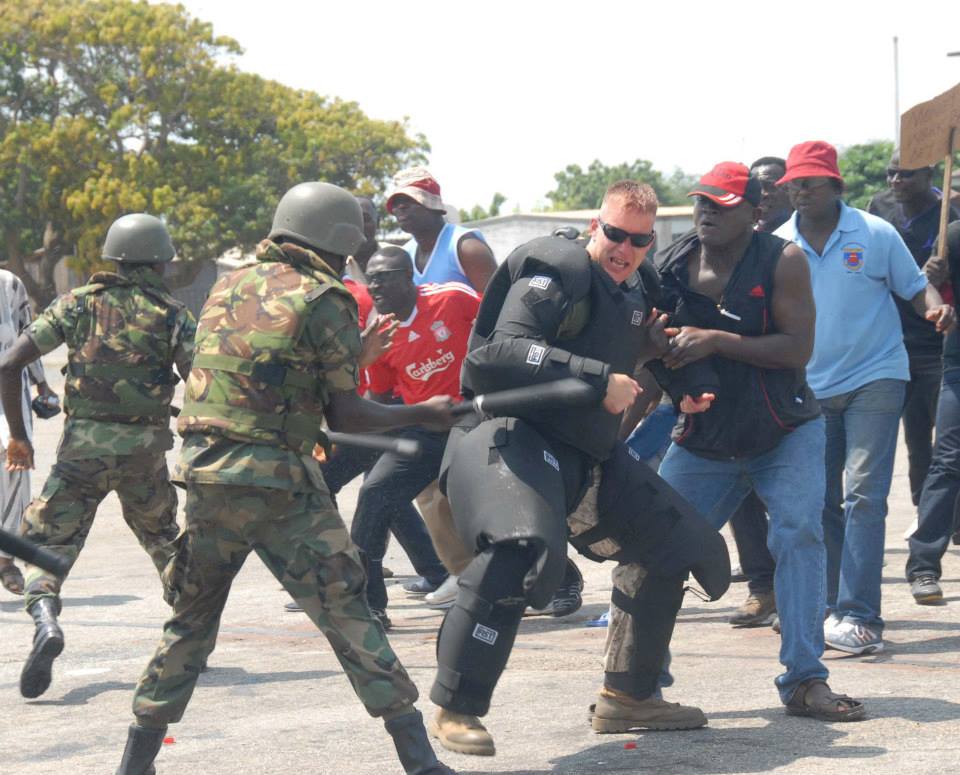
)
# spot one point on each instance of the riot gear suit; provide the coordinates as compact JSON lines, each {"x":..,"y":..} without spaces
{"x":520,"y":486}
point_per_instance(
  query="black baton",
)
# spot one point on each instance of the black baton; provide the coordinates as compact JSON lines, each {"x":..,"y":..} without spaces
{"x":400,"y":447}
{"x":33,"y":554}
{"x":566,"y":392}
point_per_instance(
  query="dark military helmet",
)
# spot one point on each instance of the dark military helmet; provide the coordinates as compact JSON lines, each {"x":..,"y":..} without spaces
{"x":322,"y":216}
{"x":138,"y":238}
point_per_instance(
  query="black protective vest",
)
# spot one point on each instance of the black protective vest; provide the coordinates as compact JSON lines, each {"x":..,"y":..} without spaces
{"x":755,"y":407}
{"x":613,"y":334}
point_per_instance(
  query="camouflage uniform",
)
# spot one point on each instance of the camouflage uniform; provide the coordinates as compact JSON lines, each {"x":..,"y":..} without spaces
{"x":274,"y":340}
{"x":124,"y":332}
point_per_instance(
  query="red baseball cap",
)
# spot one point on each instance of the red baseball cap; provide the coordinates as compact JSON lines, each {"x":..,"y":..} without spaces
{"x":812,"y":159}
{"x":418,"y":184}
{"x":728,"y":184}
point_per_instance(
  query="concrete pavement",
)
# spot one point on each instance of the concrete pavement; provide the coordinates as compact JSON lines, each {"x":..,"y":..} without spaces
{"x":276,"y":703}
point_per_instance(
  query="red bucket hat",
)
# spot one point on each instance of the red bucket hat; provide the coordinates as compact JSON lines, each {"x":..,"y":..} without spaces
{"x":728,"y":184}
{"x":812,"y":159}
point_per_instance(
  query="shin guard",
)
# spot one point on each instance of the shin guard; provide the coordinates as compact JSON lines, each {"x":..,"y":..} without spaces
{"x":477,"y":634}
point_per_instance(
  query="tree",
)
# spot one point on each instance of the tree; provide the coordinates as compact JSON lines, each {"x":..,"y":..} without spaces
{"x":864,"y":170}
{"x":680,"y":184}
{"x":477,"y":213}
{"x":116,"y":106}
{"x":582,"y":190}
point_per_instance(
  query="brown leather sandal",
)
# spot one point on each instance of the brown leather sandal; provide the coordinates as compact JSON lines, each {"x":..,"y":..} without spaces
{"x":814,"y":699}
{"x":11,"y":578}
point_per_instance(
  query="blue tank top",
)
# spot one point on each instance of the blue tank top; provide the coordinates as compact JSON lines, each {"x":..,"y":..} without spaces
{"x":443,"y":266}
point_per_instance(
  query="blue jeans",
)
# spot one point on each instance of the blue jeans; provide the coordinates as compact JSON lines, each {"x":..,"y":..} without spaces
{"x":862,"y":430}
{"x":919,"y":421}
{"x":942,"y":487}
{"x":384,"y":504}
{"x":795,"y":538}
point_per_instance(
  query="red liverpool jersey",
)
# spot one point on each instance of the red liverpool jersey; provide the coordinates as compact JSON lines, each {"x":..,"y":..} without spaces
{"x":427,"y":351}
{"x":365,"y":306}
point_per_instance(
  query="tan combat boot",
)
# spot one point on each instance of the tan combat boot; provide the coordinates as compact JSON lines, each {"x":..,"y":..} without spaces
{"x":759,"y":610}
{"x":617,"y":712}
{"x":461,"y":733}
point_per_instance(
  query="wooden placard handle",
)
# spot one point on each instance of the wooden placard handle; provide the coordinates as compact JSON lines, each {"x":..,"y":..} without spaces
{"x":945,"y":202}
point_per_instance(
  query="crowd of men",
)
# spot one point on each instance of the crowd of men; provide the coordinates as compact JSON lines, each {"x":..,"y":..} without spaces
{"x":781,"y":340}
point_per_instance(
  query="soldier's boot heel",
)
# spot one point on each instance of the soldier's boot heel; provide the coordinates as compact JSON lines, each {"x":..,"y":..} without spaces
{"x":413,"y":747}
{"x":47,"y":646}
{"x":143,"y":744}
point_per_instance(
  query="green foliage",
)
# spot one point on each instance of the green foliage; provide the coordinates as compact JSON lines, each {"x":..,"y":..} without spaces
{"x":112,"y":106}
{"x":864,"y":170}
{"x":478,"y":213}
{"x":583,"y":190}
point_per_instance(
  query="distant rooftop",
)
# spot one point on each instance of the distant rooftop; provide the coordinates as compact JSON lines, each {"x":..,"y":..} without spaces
{"x":575,"y":215}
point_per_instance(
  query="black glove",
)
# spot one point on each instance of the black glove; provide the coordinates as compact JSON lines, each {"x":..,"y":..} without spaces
{"x":46,"y":406}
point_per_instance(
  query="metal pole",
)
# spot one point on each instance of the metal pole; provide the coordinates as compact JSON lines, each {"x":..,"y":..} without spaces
{"x":896,"y":93}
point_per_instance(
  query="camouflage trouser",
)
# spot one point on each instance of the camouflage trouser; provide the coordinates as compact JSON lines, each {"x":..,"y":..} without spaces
{"x":303,"y":541}
{"x":637,"y":646}
{"x":61,"y":518}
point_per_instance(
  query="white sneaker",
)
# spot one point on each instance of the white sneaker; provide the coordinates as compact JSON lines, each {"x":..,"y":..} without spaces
{"x":831,"y":623}
{"x":855,"y":638}
{"x":444,"y":595}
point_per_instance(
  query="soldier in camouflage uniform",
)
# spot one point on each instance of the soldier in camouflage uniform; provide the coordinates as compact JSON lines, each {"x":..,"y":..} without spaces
{"x":124,"y":333}
{"x":276,"y":353}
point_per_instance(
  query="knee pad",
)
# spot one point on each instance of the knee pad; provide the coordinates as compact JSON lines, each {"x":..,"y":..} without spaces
{"x":478,"y":632}
{"x":505,"y":485}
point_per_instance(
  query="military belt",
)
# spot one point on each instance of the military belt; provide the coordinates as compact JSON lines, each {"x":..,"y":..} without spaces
{"x":149,"y":374}
{"x":274,"y":374}
{"x":301,"y":430}
{"x":83,"y":407}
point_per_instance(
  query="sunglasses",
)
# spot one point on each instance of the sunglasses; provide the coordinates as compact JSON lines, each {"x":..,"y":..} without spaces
{"x":893,"y":172}
{"x":618,"y":235}
{"x":385,"y":276}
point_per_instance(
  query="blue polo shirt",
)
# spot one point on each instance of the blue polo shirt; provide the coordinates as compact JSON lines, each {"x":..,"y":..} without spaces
{"x":859,"y":338}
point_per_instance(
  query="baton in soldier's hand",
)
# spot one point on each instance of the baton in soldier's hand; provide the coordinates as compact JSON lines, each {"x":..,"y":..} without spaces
{"x":565,"y":392}
{"x":400,"y":447}
{"x":33,"y":554}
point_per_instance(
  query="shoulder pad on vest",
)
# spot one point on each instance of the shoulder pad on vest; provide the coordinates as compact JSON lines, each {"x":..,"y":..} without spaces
{"x":317,"y":292}
{"x":558,"y":254}
{"x":570,"y":260}
{"x":89,"y":288}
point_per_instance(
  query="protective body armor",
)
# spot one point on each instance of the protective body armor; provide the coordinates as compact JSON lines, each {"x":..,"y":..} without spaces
{"x":123,"y":371}
{"x":610,"y":334}
{"x":252,"y":379}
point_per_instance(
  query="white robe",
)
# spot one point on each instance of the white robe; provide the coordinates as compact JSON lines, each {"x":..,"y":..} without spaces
{"x":14,"y":318}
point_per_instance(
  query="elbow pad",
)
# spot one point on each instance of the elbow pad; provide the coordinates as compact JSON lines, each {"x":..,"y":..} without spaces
{"x":516,"y":362}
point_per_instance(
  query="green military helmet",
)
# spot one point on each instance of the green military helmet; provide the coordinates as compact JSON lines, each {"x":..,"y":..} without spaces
{"x":138,"y":238}
{"x":322,"y":216}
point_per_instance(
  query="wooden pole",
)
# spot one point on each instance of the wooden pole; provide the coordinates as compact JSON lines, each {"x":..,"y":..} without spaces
{"x":945,"y":202}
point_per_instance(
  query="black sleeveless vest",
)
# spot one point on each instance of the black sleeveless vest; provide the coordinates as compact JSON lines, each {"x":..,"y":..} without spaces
{"x":755,"y":407}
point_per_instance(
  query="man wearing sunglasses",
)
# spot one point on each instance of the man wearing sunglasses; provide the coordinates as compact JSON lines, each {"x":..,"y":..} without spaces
{"x":858,"y":371}
{"x":740,"y":300}
{"x":517,"y":485}
{"x":911,"y":204}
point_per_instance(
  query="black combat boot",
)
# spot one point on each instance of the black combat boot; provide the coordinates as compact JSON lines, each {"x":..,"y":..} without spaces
{"x":142,"y":747}
{"x":413,"y":748}
{"x":47,"y":645}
